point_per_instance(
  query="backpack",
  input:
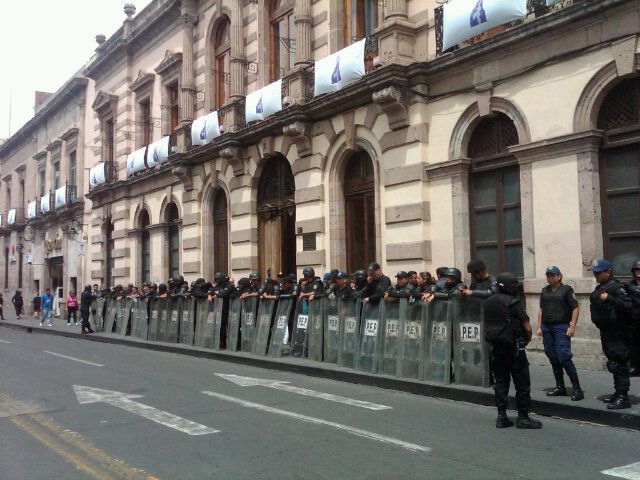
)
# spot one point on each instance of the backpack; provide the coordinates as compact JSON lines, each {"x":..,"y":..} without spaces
{"x":499,"y":327}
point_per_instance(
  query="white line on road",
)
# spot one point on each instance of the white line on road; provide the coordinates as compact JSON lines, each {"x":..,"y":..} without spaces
{"x":123,"y":401}
{"x":318,"y":421}
{"x":630,"y":472}
{"x":4,"y":341}
{"x":280,"y":385}
{"x":74,"y":359}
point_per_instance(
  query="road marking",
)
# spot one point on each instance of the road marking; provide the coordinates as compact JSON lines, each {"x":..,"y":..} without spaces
{"x":4,"y":341}
{"x":123,"y":401}
{"x":318,"y":421}
{"x":281,"y":385}
{"x":630,"y":472}
{"x":74,"y":359}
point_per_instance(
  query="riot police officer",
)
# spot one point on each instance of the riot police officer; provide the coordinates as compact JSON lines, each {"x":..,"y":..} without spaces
{"x":254,"y":286}
{"x":377,"y":284}
{"x":243,"y":286}
{"x":557,"y":319}
{"x":482,"y":284}
{"x":508,"y":330}
{"x":223,"y":288}
{"x":342,"y":290}
{"x":359,"y":283}
{"x":633,"y":288}
{"x":452,"y":286}
{"x":162,"y":291}
{"x":611,"y":310}
{"x":288,"y":288}
{"x":402,"y":288}
{"x":310,"y":285}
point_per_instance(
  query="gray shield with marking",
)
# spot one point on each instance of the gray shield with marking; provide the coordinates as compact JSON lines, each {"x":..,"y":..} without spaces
{"x":300,"y":329}
{"x":370,"y":335}
{"x":332,"y":329}
{"x":349,"y":331}
{"x":266,"y":310}
{"x":248,"y":323}
{"x":139,"y":318}
{"x":110,"y":315}
{"x":187,"y":320}
{"x":233,"y":329}
{"x":470,"y":351}
{"x":315,"y":332}
{"x":437,"y":355}
{"x":410,"y":354}
{"x":392,"y":326}
{"x":97,"y":314}
{"x":280,"y":328}
{"x":173,"y":321}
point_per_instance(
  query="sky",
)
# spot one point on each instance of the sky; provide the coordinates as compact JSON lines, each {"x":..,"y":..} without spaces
{"x":43,"y":43}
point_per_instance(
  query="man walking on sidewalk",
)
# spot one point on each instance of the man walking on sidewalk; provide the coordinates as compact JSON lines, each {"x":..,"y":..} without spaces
{"x":46,"y":308}
{"x":85,"y":307}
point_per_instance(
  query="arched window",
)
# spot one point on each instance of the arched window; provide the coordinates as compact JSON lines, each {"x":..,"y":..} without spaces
{"x":173,"y":239}
{"x":619,"y":117}
{"x":145,"y":247}
{"x":283,"y":37}
{"x":359,"y":200}
{"x":220,"y":232}
{"x":496,"y":223}
{"x":222,"y":61}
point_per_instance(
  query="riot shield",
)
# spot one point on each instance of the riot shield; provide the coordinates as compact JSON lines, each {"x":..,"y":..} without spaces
{"x":123,"y":316}
{"x":203,"y":327}
{"x":280,"y":328}
{"x":156,"y":306}
{"x":349,"y":328}
{"x":266,"y":310}
{"x":316,"y":330}
{"x":110,"y":315}
{"x":369,"y":338}
{"x":437,"y":355}
{"x":139,"y":318}
{"x":331,"y":329}
{"x":470,"y":351}
{"x":410,"y":354}
{"x":187,"y":314}
{"x":247,"y":323}
{"x":233,"y":325}
{"x":391,"y":336}
{"x":173,"y":324}
{"x":219,"y":323}
{"x":163,"y":320}
{"x":300,"y":328}
{"x":97,"y":314}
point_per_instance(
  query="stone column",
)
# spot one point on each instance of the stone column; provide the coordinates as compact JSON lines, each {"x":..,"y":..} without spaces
{"x":396,"y":38}
{"x":303,"y":22}
{"x":395,"y":8}
{"x":237,"y":51}
{"x":188,"y":91}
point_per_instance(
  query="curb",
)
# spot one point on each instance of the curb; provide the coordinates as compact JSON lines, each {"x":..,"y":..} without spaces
{"x":331,"y":372}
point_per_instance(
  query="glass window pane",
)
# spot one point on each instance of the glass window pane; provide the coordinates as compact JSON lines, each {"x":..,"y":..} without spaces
{"x":484,"y":190}
{"x":621,"y":169}
{"x":624,"y":213}
{"x":622,"y":253}
{"x":511,"y":186}
{"x":489,"y":255}
{"x":513,"y":260}
{"x":512,"y":224}
{"x":282,"y":52}
{"x":486,"y":226}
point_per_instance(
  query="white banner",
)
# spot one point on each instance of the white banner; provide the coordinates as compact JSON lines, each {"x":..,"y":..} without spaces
{"x":44,"y":204}
{"x":464,"y":19}
{"x":31,"y":210}
{"x":97,"y":176}
{"x":264,"y":102}
{"x":135,"y":161}
{"x":11,"y":216}
{"x":204,"y":129}
{"x":60,"y":197}
{"x":340,"y":69}
{"x":158,"y":152}
{"x":550,"y":3}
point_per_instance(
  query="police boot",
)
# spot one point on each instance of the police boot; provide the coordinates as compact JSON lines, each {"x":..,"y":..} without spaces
{"x":577,"y":394}
{"x":622,"y":401}
{"x":503,"y":421}
{"x":524,"y":421}
{"x":610,"y":398}
{"x":560,"y":390}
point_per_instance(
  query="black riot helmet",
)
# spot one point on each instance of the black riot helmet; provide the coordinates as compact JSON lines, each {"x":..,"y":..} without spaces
{"x":507,"y":283}
{"x":162,"y":288}
{"x":360,"y":275}
{"x":455,"y":273}
{"x":635,"y":266}
{"x":220,"y":277}
{"x":254,"y":276}
{"x":308,"y":273}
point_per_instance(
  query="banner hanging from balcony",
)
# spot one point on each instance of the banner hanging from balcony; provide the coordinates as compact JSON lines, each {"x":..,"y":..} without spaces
{"x":44,"y":204}
{"x":136,"y":161}
{"x":97,"y":176}
{"x":60,"y":197}
{"x":11,"y":216}
{"x":158,"y":152}
{"x":204,"y":129}
{"x":464,"y":19}
{"x":340,"y":69}
{"x":31,"y":210}
{"x":264,"y":102}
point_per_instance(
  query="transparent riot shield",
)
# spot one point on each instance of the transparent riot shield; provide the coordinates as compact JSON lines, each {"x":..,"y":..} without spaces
{"x":266,"y":310}
{"x":369,"y":338}
{"x":248,"y":323}
{"x":331,"y":329}
{"x":97,"y":314}
{"x":187,"y":320}
{"x":349,"y":331}
{"x":155,"y":306}
{"x":437,"y":355}
{"x":139,"y":318}
{"x":163,"y":321}
{"x":391,"y":336}
{"x":110,"y":315}
{"x":280,"y":328}
{"x":123,"y":316}
{"x":316,"y":330}
{"x":202,"y":323}
{"x":470,"y":351}
{"x":233,"y":325}
{"x":219,"y":323}
{"x":410,"y":354}
{"x":300,"y":329}
{"x":173,"y":325}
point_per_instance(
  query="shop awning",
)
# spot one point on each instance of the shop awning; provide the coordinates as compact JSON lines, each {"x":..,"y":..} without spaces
{"x":205,"y":129}
{"x":340,"y":68}
{"x":264,"y":102}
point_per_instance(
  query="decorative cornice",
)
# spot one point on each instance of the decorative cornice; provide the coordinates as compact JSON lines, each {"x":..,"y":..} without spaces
{"x":393,"y":102}
{"x":144,"y":79}
{"x":574,"y":143}
{"x":451,"y":168}
{"x":103,"y":100}
{"x":71,"y":132}
{"x":54,"y":144}
{"x":40,"y":156}
{"x":235,"y":157}
{"x":170,"y":60}
{"x":300,"y":134}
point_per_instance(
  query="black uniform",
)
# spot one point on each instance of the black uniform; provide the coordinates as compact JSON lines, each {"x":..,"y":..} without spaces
{"x":85,"y":308}
{"x":375,"y":290}
{"x":613,"y":318}
{"x":483,"y":288}
{"x":448,"y":290}
{"x":401,"y":292}
{"x":633,"y":289}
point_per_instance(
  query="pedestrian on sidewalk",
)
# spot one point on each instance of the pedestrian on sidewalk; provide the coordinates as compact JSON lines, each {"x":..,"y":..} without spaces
{"x":72,"y":308}
{"x":46,"y":308}
{"x":1,"y":307}
{"x":85,"y":308}
{"x":18,"y":303}
{"x":37,"y":305}
{"x":557,"y":319}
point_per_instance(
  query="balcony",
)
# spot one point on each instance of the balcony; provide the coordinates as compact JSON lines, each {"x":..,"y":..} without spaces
{"x":15,"y":218}
{"x":102,"y":174}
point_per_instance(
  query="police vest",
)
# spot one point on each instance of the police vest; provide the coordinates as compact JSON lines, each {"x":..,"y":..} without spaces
{"x":499,"y":326}
{"x":555,"y":309}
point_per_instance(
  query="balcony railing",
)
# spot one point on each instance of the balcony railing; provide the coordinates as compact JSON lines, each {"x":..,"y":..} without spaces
{"x":15,"y":217}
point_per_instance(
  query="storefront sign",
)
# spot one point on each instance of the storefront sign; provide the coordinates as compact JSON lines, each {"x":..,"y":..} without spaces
{"x":52,"y":244}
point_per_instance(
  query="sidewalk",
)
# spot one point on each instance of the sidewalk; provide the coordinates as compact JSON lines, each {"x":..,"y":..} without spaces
{"x":591,"y":409}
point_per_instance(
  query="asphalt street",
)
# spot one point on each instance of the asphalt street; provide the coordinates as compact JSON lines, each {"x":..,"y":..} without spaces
{"x":71,"y":409}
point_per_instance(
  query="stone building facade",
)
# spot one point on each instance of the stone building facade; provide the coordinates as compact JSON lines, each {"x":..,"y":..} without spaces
{"x":519,"y":146}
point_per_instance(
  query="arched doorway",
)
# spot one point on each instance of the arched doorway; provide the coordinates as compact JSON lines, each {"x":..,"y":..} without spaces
{"x":277,"y":218}
{"x":145,"y":247}
{"x":172,"y":218}
{"x":359,"y":201}
{"x":220,"y":232}
{"x":619,"y":117}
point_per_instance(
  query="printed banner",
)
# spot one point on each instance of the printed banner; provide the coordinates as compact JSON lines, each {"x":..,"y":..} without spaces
{"x":205,"y":129}
{"x":44,"y":204}
{"x":136,"y":161}
{"x":340,"y":69}
{"x":11,"y":216}
{"x":464,"y":19}
{"x":96,"y":177}
{"x":60,"y":197}
{"x":31,"y":210}
{"x":264,"y":102}
{"x":158,"y":152}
